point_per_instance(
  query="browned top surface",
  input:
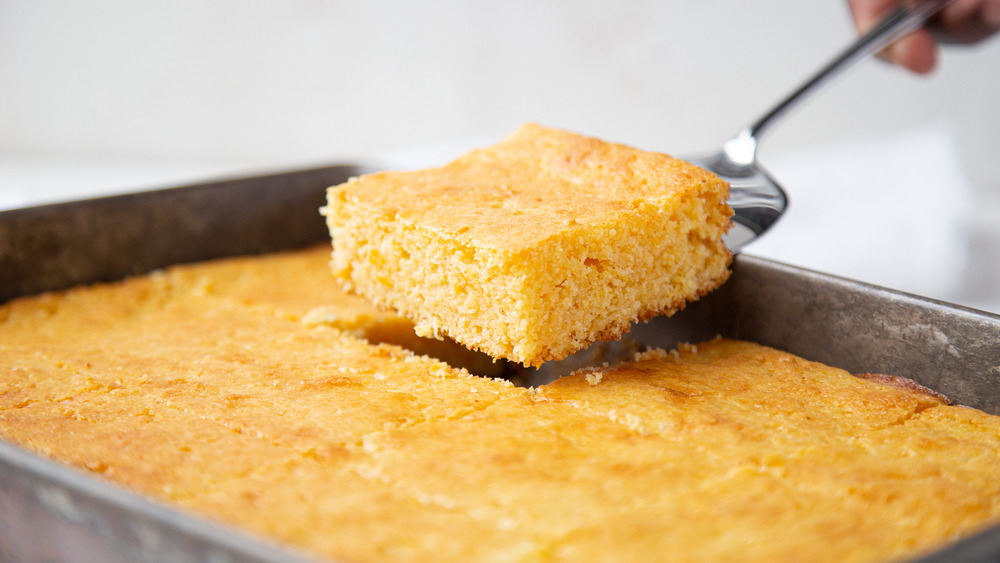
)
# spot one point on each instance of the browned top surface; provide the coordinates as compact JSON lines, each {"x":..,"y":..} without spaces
{"x":533,"y":184}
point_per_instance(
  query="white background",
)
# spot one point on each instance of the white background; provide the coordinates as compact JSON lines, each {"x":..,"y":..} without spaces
{"x":894,"y":179}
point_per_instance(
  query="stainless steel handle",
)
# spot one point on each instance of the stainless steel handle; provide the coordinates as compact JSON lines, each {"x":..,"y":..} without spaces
{"x":903,"y":20}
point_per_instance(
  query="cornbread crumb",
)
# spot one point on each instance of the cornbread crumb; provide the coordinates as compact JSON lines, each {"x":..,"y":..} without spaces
{"x":653,"y":354}
{"x":687,"y":347}
{"x":593,"y":377}
{"x":535,"y":247}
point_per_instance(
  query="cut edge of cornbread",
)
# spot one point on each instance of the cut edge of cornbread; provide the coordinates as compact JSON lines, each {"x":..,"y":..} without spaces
{"x":534,"y":247}
{"x":388,"y":328}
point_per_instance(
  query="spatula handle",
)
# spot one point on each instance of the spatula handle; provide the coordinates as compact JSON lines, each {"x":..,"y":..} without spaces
{"x":905,"y":19}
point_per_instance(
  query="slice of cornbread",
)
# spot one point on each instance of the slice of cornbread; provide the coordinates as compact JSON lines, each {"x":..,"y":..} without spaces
{"x":535,"y":247}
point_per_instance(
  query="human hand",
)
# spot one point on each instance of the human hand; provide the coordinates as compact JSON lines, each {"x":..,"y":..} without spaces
{"x":961,"y":21}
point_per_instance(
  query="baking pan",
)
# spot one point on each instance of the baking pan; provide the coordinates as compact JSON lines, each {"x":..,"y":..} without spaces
{"x":48,"y":511}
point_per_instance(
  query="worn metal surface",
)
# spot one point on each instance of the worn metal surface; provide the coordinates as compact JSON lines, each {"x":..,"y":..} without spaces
{"x":854,"y":326}
{"x":51,"y":512}
{"x":57,"y":246}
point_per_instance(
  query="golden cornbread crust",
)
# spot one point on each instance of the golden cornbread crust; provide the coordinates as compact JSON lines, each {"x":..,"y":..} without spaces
{"x":203,"y":386}
{"x":904,"y":383}
{"x":535,"y":247}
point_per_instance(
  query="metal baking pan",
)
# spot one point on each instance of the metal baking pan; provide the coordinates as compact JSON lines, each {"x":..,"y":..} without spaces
{"x":51,"y":512}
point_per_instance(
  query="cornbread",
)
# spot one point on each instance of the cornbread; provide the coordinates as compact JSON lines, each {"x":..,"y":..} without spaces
{"x":292,"y":289}
{"x":535,"y":247}
{"x":203,"y":386}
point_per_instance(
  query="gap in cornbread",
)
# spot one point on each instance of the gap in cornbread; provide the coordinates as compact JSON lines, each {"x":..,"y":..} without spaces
{"x":535,"y":247}
{"x":288,"y":286}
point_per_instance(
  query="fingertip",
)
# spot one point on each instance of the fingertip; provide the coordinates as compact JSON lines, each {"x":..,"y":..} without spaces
{"x":991,"y":15}
{"x":867,"y":13}
{"x":916,"y":52}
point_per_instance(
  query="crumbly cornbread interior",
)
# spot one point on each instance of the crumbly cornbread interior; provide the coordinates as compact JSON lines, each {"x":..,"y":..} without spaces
{"x":535,"y":247}
{"x":203,"y":386}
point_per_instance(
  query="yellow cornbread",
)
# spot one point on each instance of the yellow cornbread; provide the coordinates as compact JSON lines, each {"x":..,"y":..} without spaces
{"x":201,"y":387}
{"x":535,"y":247}
{"x":291,"y":288}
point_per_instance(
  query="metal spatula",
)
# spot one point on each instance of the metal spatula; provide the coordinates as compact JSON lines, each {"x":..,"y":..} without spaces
{"x":755,"y":197}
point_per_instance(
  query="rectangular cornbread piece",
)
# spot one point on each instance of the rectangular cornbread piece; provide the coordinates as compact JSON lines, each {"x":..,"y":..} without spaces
{"x":535,"y":247}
